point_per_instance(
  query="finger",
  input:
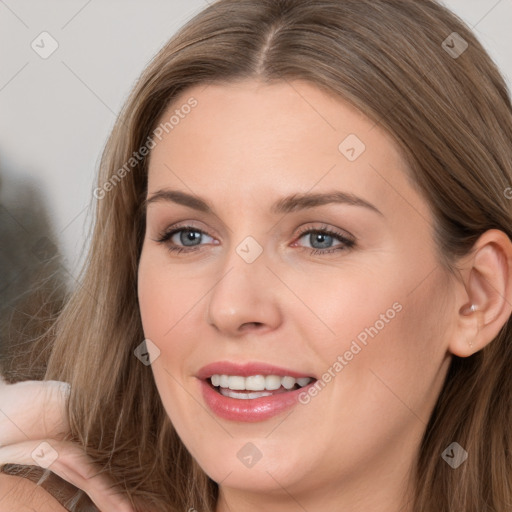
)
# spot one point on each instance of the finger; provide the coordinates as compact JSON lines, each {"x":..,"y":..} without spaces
{"x":33,"y":410}
{"x":68,"y":460}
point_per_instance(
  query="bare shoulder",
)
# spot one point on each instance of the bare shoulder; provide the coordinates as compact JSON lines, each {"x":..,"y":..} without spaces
{"x":20,"y":494}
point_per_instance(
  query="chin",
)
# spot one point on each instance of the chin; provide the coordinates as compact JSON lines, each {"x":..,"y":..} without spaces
{"x":238,"y":463}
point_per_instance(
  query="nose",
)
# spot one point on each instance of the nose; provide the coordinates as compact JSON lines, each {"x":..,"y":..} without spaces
{"x":244,"y":298}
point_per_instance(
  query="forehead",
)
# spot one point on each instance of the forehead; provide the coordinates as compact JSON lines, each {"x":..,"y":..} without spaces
{"x":273,"y":139}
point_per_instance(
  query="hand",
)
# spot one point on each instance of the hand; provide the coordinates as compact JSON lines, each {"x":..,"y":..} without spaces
{"x":33,"y":409}
{"x":33,"y":426}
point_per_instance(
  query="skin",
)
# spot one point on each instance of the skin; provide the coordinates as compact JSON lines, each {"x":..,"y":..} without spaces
{"x":244,"y":146}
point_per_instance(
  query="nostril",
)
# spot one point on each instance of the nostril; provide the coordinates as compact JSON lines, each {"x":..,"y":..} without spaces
{"x":251,"y":324}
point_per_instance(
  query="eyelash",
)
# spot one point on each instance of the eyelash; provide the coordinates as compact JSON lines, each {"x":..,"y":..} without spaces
{"x":346,"y":243}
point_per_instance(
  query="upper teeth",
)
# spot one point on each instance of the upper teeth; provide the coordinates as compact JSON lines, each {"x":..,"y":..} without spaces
{"x":258,"y":382}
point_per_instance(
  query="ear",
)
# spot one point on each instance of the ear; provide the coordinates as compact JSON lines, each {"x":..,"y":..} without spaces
{"x":487,"y":286}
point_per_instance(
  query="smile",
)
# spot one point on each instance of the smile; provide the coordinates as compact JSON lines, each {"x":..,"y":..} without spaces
{"x":251,"y":392}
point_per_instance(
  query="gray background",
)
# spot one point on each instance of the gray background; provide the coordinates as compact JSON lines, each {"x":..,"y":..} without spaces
{"x":56,"y":113}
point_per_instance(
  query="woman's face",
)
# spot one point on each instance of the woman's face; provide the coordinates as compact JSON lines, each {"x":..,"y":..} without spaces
{"x":303,"y":254}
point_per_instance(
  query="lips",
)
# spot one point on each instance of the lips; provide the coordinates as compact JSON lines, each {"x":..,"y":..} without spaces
{"x":245,"y":405}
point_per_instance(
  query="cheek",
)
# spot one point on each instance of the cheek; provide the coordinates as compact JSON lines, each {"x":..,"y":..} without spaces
{"x":166,"y":298}
{"x":385,"y":343}
{"x":168,"y":305}
{"x":396,"y":373}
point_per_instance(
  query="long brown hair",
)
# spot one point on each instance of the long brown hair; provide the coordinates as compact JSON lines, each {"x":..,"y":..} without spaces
{"x":449,"y":113}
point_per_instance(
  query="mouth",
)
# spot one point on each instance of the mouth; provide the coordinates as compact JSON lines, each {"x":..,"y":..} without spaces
{"x":256,"y":386}
{"x":251,"y":391}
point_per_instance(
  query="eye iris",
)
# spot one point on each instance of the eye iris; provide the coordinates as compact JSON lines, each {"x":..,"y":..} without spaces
{"x":322,"y":238}
{"x":188,"y":235}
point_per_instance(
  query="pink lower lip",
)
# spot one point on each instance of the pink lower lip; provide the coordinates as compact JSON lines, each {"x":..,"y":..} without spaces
{"x":252,"y":410}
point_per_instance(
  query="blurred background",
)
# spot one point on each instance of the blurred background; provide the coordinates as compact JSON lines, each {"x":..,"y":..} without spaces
{"x":66,"y":68}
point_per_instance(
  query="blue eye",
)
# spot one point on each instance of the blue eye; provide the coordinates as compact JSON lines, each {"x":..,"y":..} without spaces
{"x":188,"y":236}
{"x":190,"y":239}
{"x":324,"y":237}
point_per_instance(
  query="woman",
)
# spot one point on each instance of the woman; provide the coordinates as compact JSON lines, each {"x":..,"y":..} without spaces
{"x":299,"y":285}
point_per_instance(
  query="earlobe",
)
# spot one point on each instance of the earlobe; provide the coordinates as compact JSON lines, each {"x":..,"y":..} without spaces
{"x":487,"y":300}
{"x":469,"y":311}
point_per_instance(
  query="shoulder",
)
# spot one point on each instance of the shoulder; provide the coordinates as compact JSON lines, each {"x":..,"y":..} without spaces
{"x":20,"y":494}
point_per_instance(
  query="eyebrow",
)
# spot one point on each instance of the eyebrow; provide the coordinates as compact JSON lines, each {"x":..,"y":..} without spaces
{"x":288,"y":204}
